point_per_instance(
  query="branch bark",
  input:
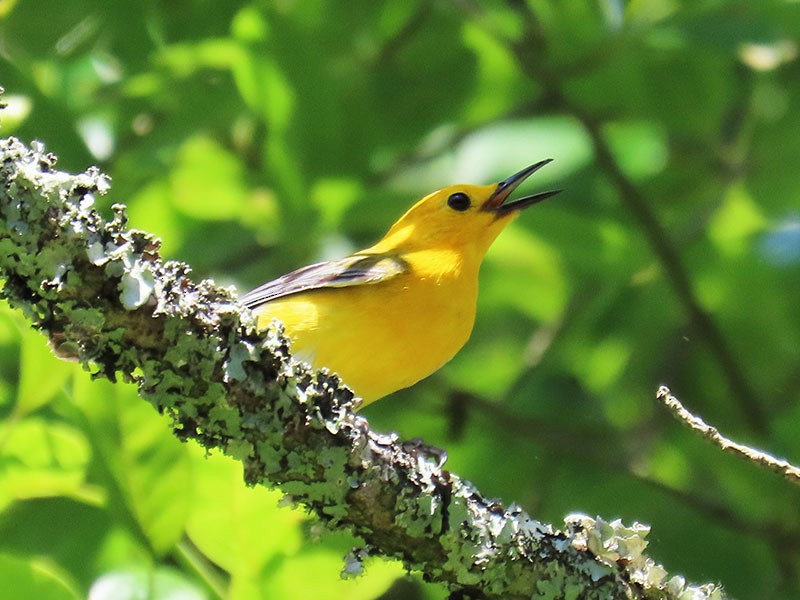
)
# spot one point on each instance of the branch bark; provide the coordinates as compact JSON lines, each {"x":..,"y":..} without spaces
{"x":103,"y":296}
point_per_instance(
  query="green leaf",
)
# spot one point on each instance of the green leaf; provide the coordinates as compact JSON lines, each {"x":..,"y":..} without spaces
{"x":40,"y":458}
{"x":62,"y":531}
{"x":332,"y":198}
{"x":208,"y":181}
{"x":152,"y":210}
{"x":27,"y":579}
{"x":524,"y":272}
{"x":736,"y":221}
{"x":156,"y":584}
{"x":497,"y":71}
{"x":238,"y":527}
{"x":42,"y":375}
{"x":292,"y":580}
{"x":147,"y":468}
{"x":640,"y":147}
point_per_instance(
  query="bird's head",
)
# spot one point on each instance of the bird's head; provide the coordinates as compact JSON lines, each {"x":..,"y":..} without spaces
{"x":465,"y":218}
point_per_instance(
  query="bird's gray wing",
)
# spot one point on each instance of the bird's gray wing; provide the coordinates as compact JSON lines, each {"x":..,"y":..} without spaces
{"x":357,"y":269}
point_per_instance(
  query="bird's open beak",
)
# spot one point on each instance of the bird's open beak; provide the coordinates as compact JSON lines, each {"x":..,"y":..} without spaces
{"x":497,"y":201}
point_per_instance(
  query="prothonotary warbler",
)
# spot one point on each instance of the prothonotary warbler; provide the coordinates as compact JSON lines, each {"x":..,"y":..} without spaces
{"x":387,"y":316}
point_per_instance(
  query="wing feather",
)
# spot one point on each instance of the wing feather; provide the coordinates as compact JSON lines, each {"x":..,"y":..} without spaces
{"x":358,"y":269}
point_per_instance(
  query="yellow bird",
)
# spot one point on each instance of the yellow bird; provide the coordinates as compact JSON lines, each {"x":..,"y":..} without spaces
{"x":388,"y":316}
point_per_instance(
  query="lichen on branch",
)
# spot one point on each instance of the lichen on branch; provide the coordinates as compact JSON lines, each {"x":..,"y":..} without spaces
{"x":103,"y":296}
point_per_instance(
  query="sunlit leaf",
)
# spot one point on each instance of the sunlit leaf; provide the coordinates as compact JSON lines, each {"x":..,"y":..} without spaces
{"x":238,"y":527}
{"x":37,"y":358}
{"x":152,"y":210}
{"x":40,"y":458}
{"x":207,"y":182}
{"x":292,"y":582}
{"x":159,"y":584}
{"x":148,"y":468}
{"x":736,"y":221}
{"x":641,"y":148}
{"x":25,"y":579}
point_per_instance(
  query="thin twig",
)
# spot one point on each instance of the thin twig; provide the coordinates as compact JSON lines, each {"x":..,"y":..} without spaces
{"x":762,"y":459}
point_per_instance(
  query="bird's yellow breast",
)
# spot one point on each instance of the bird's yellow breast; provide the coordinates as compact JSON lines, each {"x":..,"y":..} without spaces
{"x":385,"y":336}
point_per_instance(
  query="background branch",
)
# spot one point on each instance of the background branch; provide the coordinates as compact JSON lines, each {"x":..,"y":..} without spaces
{"x":530,"y":50}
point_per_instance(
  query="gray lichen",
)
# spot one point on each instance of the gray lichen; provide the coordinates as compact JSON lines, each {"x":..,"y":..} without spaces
{"x":102,"y":295}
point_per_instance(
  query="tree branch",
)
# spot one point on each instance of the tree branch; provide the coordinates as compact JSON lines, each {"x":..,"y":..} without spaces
{"x":102,"y":295}
{"x":696,"y":424}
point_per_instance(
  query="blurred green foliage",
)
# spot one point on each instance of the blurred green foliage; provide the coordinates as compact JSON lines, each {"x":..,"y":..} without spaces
{"x":255,"y":137}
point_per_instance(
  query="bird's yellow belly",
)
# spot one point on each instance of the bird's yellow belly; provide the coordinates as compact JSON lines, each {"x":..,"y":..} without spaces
{"x":377,"y":340}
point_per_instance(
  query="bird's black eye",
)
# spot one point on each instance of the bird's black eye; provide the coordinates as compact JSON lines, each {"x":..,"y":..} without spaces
{"x":459,"y":201}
